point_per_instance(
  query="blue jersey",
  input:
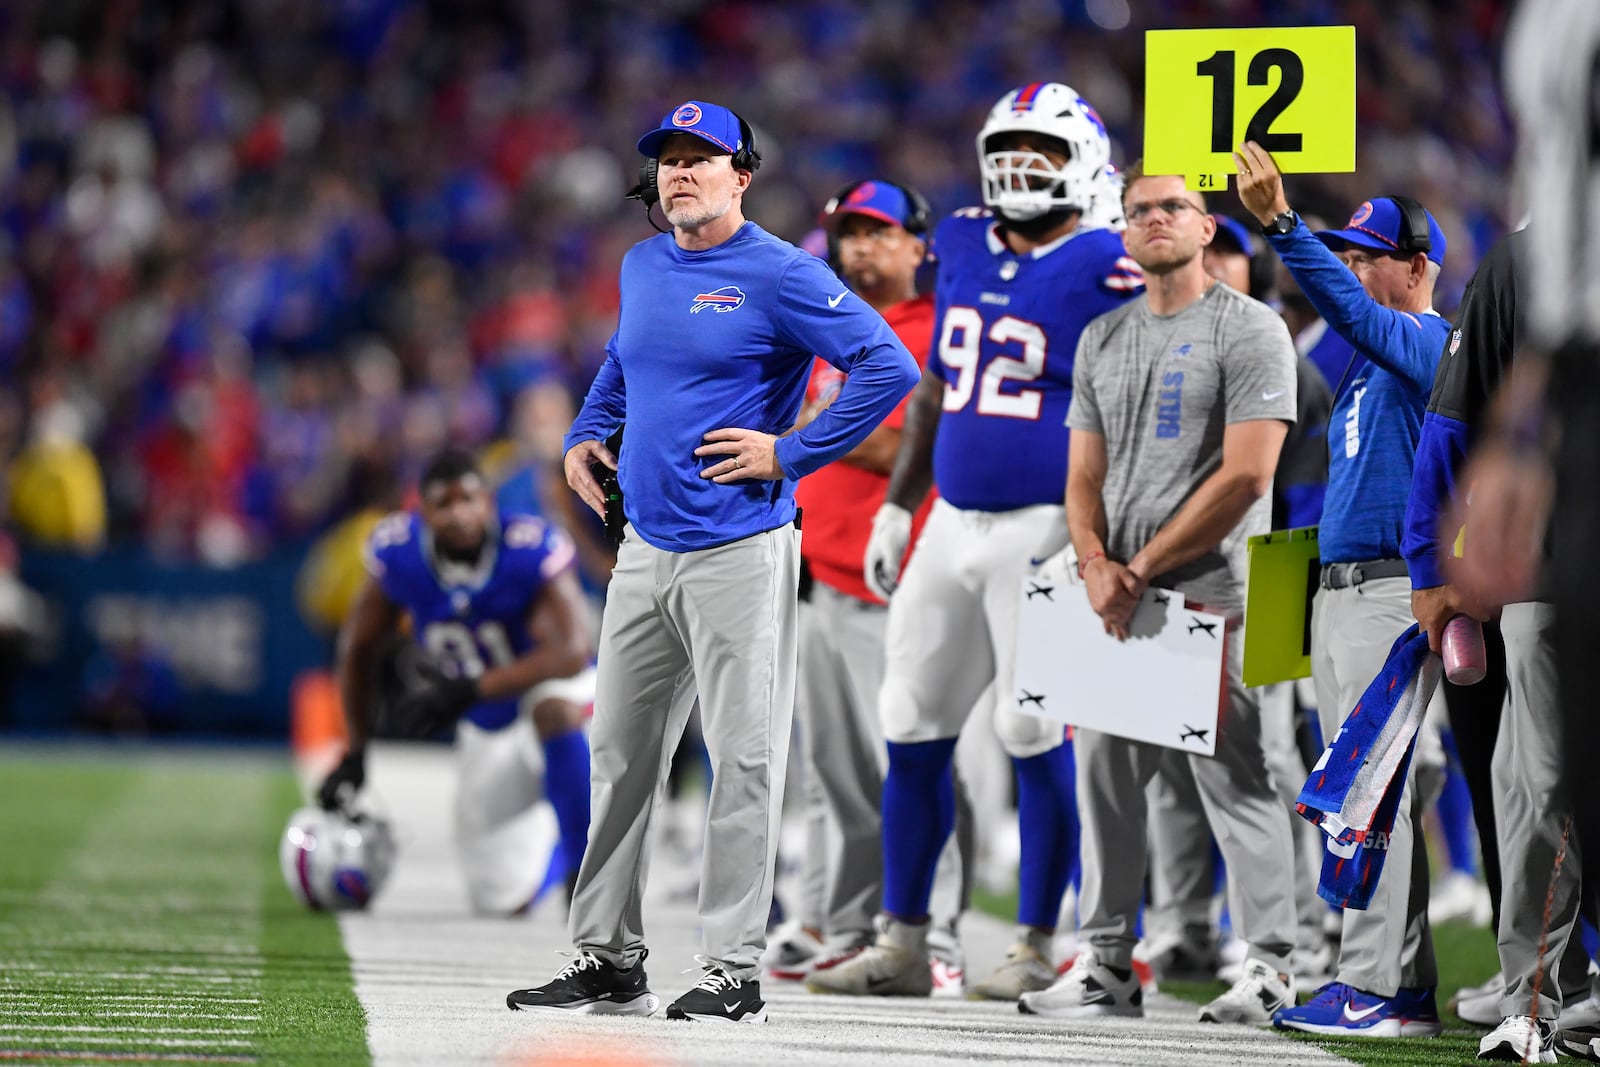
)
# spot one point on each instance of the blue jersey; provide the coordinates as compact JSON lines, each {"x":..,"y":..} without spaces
{"x":477,"y":618}
{"x":1377,"y":412}
{"x":724,"y":337}
{"x":1005,"y":332}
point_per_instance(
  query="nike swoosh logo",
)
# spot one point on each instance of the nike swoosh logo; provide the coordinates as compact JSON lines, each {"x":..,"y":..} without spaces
{"x":1357,"y":1016}
{"x":1034,"y":561}
{"x":1273,"y":396}
{"x":833,"y":303}
{"x":731,"y":1008}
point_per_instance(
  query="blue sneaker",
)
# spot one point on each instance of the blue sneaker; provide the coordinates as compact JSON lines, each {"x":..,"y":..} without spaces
{"x":1340,"y":1010}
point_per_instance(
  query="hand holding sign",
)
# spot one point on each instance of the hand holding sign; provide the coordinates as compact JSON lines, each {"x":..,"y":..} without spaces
{"x":1260,"y":183}
{"x":1290,"y":90}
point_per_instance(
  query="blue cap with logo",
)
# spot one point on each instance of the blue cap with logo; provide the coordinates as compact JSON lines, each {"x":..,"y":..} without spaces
{"x":712,"y":123}
{"x":1380,"y":225}
{"x":1232,"y":236}
{"x":884,"y":201}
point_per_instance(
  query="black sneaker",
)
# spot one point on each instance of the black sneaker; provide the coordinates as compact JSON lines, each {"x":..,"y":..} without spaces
{"x":590,"y":986}
{"x":720,"y":999}
{"x":1580,"y":1042}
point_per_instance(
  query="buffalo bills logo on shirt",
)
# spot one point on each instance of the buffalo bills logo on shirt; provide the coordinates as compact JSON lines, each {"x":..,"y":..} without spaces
{"x":728,"y":298}
{"x":687,"y":115}
{"x":1363,"y":213}
{"x":1182,"y":350}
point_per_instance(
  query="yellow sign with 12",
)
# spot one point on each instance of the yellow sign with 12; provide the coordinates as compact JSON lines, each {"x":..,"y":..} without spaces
{"x":1290,"y":89}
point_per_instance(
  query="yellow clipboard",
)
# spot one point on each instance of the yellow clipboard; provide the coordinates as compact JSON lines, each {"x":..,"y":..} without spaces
{"x":1284,"y":569}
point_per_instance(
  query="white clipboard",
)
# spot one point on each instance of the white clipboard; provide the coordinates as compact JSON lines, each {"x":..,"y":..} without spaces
{"x":1162,"y":685}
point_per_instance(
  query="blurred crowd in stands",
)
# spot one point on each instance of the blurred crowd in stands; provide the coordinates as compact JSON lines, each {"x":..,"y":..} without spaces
{"x":260,"y":258}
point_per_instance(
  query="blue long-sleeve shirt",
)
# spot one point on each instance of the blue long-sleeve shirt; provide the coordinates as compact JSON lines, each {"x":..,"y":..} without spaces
{"x":1377,"y":413}
{"x":1476,"y":360}
{"x":724,"y":337}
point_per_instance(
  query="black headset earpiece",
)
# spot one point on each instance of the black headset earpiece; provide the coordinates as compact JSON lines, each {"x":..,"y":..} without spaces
{"x":1414,"y":234}
{"x":921,"y":216}
{"x":648,"y":190}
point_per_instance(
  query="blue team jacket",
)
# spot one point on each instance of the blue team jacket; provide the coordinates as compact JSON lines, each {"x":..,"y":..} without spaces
{"x":1377,"y":414}
{"x":725,"y":337}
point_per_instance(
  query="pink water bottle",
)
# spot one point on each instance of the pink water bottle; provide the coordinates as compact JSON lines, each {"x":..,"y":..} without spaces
{"x":1465,"y":661}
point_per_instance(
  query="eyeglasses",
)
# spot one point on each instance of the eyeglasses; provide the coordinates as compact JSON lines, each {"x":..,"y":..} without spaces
{"x":1170,"y":208}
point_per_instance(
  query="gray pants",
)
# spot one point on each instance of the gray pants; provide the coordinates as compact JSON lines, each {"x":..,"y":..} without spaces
{"x":1182,"y":875}
{"x":1389,"y":946}
{"x":1529,"y":813}
{"x":1241,"y":806}
{"x":721,"y":620}
{"x":842,"y":667}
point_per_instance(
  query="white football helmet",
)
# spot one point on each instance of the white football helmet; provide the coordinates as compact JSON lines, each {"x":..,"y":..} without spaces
{"x":1009,"y":177}
{"x":333,"y":861}
{"x":1105,"y":207}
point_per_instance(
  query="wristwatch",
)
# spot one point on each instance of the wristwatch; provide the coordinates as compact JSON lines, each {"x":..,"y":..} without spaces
{"x":1281,"y":224}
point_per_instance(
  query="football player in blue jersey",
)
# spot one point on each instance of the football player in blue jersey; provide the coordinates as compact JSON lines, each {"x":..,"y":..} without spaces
{"x":494,"y":600}
{"x":1017,"y":283}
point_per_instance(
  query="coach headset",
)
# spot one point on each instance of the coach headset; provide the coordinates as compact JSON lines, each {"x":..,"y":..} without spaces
{"x":649,"y":192}
{"x":917,"y":221}
{"x":1414,"y":237}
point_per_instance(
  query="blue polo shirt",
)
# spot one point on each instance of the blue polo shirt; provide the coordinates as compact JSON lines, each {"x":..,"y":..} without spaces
{"x":1377,"y":413}
{"x":725,"y":337}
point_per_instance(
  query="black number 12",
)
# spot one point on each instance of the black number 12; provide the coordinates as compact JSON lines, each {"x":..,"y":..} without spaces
{"x":1219,"y":68}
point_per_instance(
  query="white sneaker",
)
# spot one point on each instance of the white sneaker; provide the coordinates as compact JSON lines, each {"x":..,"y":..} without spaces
{"x":1519,"y":1039}
{"x":1258,"y":993}
{"x":1460,"y":897}
{"x":1483,"y":1010}
{"x":1024,"y":971}
{"x":1087,"y":991}
{"x":1583,"y":1014}
{"x":1313,"y":967}
{"x":792,"y":953}
{"x":896,"y":965}
{"x":947,"y":963}
{"x":1494,"y":985}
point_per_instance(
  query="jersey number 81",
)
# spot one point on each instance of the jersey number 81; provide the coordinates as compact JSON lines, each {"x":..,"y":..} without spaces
{"x":960,"y":350}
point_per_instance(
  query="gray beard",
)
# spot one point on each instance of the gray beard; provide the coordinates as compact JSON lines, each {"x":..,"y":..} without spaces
{"x":696,"y":217}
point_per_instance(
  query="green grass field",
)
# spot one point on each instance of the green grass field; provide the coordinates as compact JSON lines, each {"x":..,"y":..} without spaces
{"x":1466,"y":956}
{"x":143,"y":919}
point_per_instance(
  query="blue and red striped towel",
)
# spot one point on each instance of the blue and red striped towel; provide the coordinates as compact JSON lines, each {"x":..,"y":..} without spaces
{"x":1354,"y":790}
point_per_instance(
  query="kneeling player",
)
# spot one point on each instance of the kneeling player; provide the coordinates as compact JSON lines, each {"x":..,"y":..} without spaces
{"x":495,"y":602}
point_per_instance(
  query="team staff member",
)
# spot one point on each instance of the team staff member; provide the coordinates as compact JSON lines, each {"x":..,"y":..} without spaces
{"x":718,"y":326}
{"x":1383,"y":305}
{"x":1531,"y":801}
{"x":879,"y":231}
{"x":1180,"y":404}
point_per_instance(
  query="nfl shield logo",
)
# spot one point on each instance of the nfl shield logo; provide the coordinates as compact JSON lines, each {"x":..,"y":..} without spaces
{"x":1008,"y":270}
{"x":1455,"y":341}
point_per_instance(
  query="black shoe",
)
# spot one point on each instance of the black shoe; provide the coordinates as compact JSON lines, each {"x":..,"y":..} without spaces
{"x":720,"y":999}
{"x":590,"y":986}
{"x":1580,"y":1042}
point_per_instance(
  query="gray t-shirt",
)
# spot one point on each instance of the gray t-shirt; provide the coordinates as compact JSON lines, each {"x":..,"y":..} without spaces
{"x":1161,"y":389}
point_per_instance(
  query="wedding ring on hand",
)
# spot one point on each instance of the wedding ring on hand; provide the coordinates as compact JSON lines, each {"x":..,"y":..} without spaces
{"x":736,"y":464}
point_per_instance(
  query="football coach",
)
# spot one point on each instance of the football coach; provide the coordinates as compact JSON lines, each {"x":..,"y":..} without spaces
{"x":718,"y":326}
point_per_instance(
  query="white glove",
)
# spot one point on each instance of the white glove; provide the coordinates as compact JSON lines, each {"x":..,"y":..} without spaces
{"x":886,"y":549}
